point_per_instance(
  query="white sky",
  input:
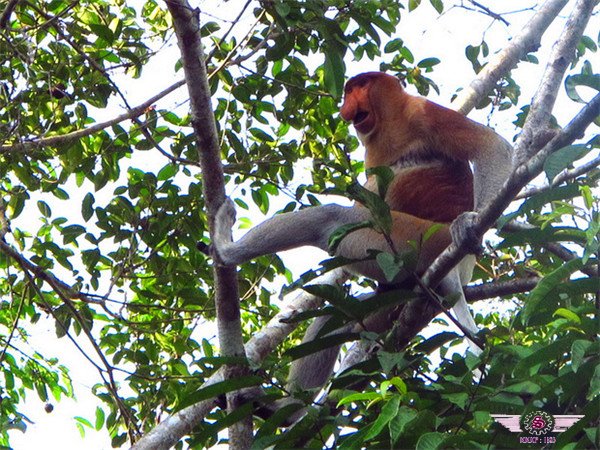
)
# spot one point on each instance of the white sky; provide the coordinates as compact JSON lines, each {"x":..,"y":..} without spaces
{"x":445,"y":38}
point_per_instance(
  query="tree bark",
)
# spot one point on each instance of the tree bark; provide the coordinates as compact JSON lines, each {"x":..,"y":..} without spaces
{"x":187,"y":29}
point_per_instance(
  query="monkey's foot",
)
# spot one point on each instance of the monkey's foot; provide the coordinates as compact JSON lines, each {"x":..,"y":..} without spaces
{"x":224,"y":220}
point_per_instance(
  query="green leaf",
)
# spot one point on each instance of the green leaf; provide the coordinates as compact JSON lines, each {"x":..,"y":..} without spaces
{"x":102,"y":31}
{"x":334,"y":72}
{"x":241,"y":412}
{"x":167,"y":172}
{"x":574,"y":81}
{"x":44,"y":208}
{"x":216,"y":389}
{"x":438,"y":5}
{"x":389,"y":264}
{"x":594,"y":384}
{"x":316,"y":345}
{"x":569,"y":315}
{"x":472,"y":54}
{"x":388,"y":412}
{"x":71,"y":233}
{"x":336,"y":238}
{"x":366,"y":25}
{"x":563,"y":158}
{"x":413,"y":4}
{"x":16,"y":205}
{"x":428,"y":63}
{"x":282,"y":47}
{"x":460,"y":399}
{"x":393,"y":46}
{"x":283,"y":8}
{"x":399,"y":424}
{"x":100,"y":417}
{"x":578,"y":351}
{"x":549,"y":352}
{"x":87,"y":206}
{"x":546,"y":285}
{"x":435,"y":342}
{"x":359,"y":397}
{"x":524,"y":388}
{"x":84,"y":421}
{"x":379,"y":209}
{"x":332,"y":294}
{"x":260,"y":135}
{"x":384,"y":176}
{"x":430,"y":441}
{"x":391,"y":360}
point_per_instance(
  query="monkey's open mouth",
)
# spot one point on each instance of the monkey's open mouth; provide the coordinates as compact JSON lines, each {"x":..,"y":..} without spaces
{"x":360,"y":117}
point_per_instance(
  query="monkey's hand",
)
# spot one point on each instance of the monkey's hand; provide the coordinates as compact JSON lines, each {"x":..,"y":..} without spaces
{"x":464,"y":235}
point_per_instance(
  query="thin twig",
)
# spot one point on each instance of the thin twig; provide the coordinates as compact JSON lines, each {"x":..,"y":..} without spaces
{"x":485,"y":10}
{"x":75,"y":135}
{"x":564,"y":176}
{"x":525,"y":42}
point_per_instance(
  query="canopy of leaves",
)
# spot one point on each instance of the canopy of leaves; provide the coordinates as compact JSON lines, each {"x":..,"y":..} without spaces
{"x":101,"y":210}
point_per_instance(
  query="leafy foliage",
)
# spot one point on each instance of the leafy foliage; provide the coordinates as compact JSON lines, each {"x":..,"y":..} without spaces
{"x":99,"y":230}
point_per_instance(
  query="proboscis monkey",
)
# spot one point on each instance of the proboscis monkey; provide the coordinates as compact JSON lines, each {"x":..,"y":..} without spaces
{"x":429,"y":148}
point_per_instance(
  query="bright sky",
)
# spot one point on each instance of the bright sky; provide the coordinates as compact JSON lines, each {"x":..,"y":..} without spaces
{"x":445,"y":37}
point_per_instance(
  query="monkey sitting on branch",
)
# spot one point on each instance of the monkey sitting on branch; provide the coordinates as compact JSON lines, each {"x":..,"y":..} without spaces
{"x":429,"y":149}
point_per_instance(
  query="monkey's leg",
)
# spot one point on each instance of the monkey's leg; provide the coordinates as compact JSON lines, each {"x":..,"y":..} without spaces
{"x":310,"y":226}
{"x":313,"y":371}
{"x":451,"y":284}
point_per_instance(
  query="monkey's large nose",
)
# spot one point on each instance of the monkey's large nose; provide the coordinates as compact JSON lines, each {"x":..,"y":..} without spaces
{"x":349,"y":109}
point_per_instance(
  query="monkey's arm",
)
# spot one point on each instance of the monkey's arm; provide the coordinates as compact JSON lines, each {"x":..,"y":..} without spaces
{"x":490,"y":154}
{"x":492,"y":165}
{"x":460,"y":137}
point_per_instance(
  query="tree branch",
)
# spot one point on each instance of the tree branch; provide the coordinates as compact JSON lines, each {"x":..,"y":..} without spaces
{"x":564,"y":176}
{"x":500,"y":288}
{"x":525,"y":42}
{"x":8,"y":10}
{"x":65,"y":139}
{"x":169,"y":431}
{"x":66,"y":294}
{"x":187,"y":29}
{"x":543,"y":101}
{"x":485,"y":10}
